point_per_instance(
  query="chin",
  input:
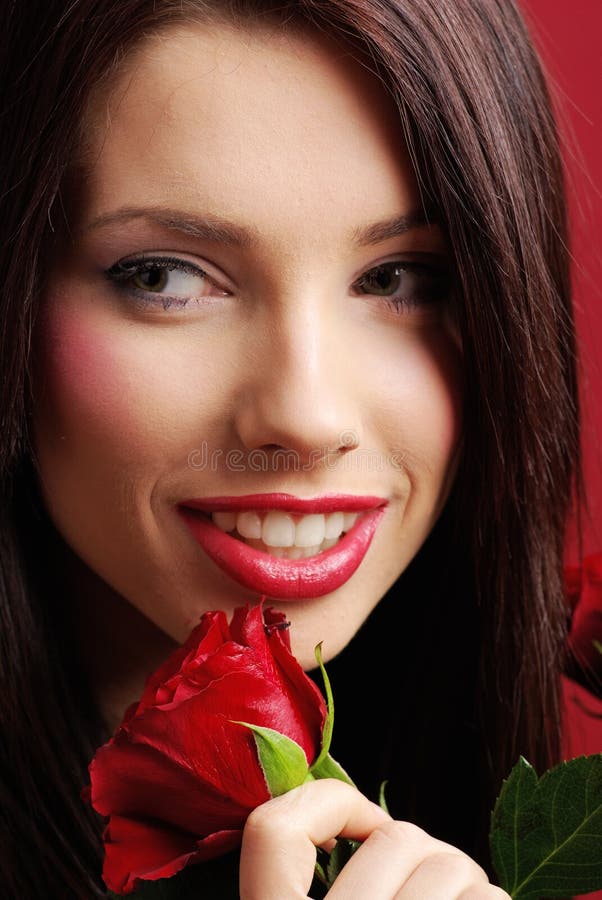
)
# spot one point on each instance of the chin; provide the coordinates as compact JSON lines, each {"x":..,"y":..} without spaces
{"x":306,"y":635}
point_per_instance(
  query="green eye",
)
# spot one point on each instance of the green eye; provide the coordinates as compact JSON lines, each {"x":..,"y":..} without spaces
{"x":382,"y":280}
{"x":405,"y":284}
{"x":152,"y":279}
{"x":164,"y":281}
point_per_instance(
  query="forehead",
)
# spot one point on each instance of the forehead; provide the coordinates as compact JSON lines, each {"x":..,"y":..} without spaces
{"x":217,"y":116}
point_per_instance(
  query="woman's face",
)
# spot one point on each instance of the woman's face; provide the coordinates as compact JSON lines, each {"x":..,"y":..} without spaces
{"x":250,"y":302}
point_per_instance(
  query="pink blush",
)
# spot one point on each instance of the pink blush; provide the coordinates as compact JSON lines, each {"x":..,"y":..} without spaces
{"x":81,"y":381}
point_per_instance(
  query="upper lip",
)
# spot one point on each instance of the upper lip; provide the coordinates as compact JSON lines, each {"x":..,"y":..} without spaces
{"x":288,"y":502}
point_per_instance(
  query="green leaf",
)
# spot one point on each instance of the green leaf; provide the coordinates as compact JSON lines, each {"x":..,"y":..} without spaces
{"x":329,"y":768}
{"x":283,"y":761}
{"x":546,"y":833}
{"x":598,"y":646}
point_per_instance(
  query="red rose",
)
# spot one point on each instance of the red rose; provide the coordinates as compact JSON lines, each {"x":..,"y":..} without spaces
{"x":179,"y":777}
{"x":584,"y":596}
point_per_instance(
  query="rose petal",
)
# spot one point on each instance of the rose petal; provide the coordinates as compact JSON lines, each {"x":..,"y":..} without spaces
{"x":272,"y":617}
{"x":302,"y":693}
{"x":205,"y":639}
{"x":247,"y":697}
{"x":138,"y":851}
{"x":134,"y":779}
{"x":196,"y":736}
{"x":181,"y":773}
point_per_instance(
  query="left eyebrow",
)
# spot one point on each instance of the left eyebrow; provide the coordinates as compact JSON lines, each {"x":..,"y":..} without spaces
{"x":382,"y":231}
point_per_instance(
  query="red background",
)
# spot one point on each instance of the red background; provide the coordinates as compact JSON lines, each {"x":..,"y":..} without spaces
{"x":568,"y":36}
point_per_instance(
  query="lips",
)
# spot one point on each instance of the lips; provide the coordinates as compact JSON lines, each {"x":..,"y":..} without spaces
{"x":288,"y":502}
{"x":283,"y":578}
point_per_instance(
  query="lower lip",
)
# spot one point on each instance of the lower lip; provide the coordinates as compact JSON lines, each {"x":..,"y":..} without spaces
{"x":286,"y":579}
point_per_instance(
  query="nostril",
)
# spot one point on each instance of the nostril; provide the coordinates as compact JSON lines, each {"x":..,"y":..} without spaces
{"x":269,"y":448}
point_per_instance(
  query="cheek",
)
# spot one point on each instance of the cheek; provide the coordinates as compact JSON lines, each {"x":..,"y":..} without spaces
{"x":79,"y":382}
{"x":424,"y":400}
{"x":442,"y":394}
{"x":81,"y":405}
{"x":101,"y":392}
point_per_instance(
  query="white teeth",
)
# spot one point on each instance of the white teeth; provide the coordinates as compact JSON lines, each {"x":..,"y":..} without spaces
{"x":333,"y":524}
{"x":278,"y":529}
{"x":291,"y":552}
{"x":225,"y":520}
{"x":285,"y":535}
{"x":349,"y":520}
{"x":248,"y":524}
{"x":310,"y":551}
{"x":310,"y":531}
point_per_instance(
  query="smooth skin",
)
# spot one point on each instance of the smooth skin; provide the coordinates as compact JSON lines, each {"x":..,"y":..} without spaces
{"x":396,"y":861}
{"x":286,"y":342}
{"x":289,"y":144}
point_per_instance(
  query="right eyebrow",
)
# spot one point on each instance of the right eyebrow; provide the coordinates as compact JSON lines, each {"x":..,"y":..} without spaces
{"x":209,"y":228}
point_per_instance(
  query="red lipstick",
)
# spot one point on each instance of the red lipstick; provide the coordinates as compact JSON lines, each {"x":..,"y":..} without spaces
{"x":287,"y":502}
{"x":287,"y":579}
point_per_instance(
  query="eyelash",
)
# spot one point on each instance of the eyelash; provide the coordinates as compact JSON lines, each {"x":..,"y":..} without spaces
{"x":432,"y":288}
{"x":433,"y":284}
{"x":124,"y":271}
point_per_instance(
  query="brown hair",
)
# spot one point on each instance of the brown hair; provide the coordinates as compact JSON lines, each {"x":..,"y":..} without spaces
{"x":475,"y":626}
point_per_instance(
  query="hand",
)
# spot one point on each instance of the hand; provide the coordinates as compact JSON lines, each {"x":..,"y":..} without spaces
{"x":397,"y":860}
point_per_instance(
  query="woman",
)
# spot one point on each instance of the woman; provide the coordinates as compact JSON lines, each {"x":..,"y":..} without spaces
{"x":293,"y":248}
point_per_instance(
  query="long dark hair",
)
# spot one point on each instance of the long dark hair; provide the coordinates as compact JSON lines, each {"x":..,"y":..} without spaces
{"x":466,"y":667}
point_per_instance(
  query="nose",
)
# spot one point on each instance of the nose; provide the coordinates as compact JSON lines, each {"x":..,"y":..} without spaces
{"x":299,"y":396}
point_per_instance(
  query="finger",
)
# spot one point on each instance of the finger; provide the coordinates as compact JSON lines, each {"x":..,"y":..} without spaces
{"x":390,"y":863}
{"x":445,"y":876}
{"x":279,"y":841}
{"x":490,"y":892}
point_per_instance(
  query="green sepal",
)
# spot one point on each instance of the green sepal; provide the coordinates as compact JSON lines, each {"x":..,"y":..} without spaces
{"x":319,"y":873}
{"x":598,"y":645}
{"x":324,"y":766}
{"x":282,"y":760}
{"x":381,"y":797}
{"x":340,"y":855}
{"x":329,"y":720}
{"x":546,"y":833}
{"x":329,"y":768}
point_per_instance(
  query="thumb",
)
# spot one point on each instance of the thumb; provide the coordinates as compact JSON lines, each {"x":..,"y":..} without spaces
{"x":278,"y":852}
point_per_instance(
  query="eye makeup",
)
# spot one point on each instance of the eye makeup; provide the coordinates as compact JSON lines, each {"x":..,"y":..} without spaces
{"x":162,"y":281}
{"x":166,"y":282}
